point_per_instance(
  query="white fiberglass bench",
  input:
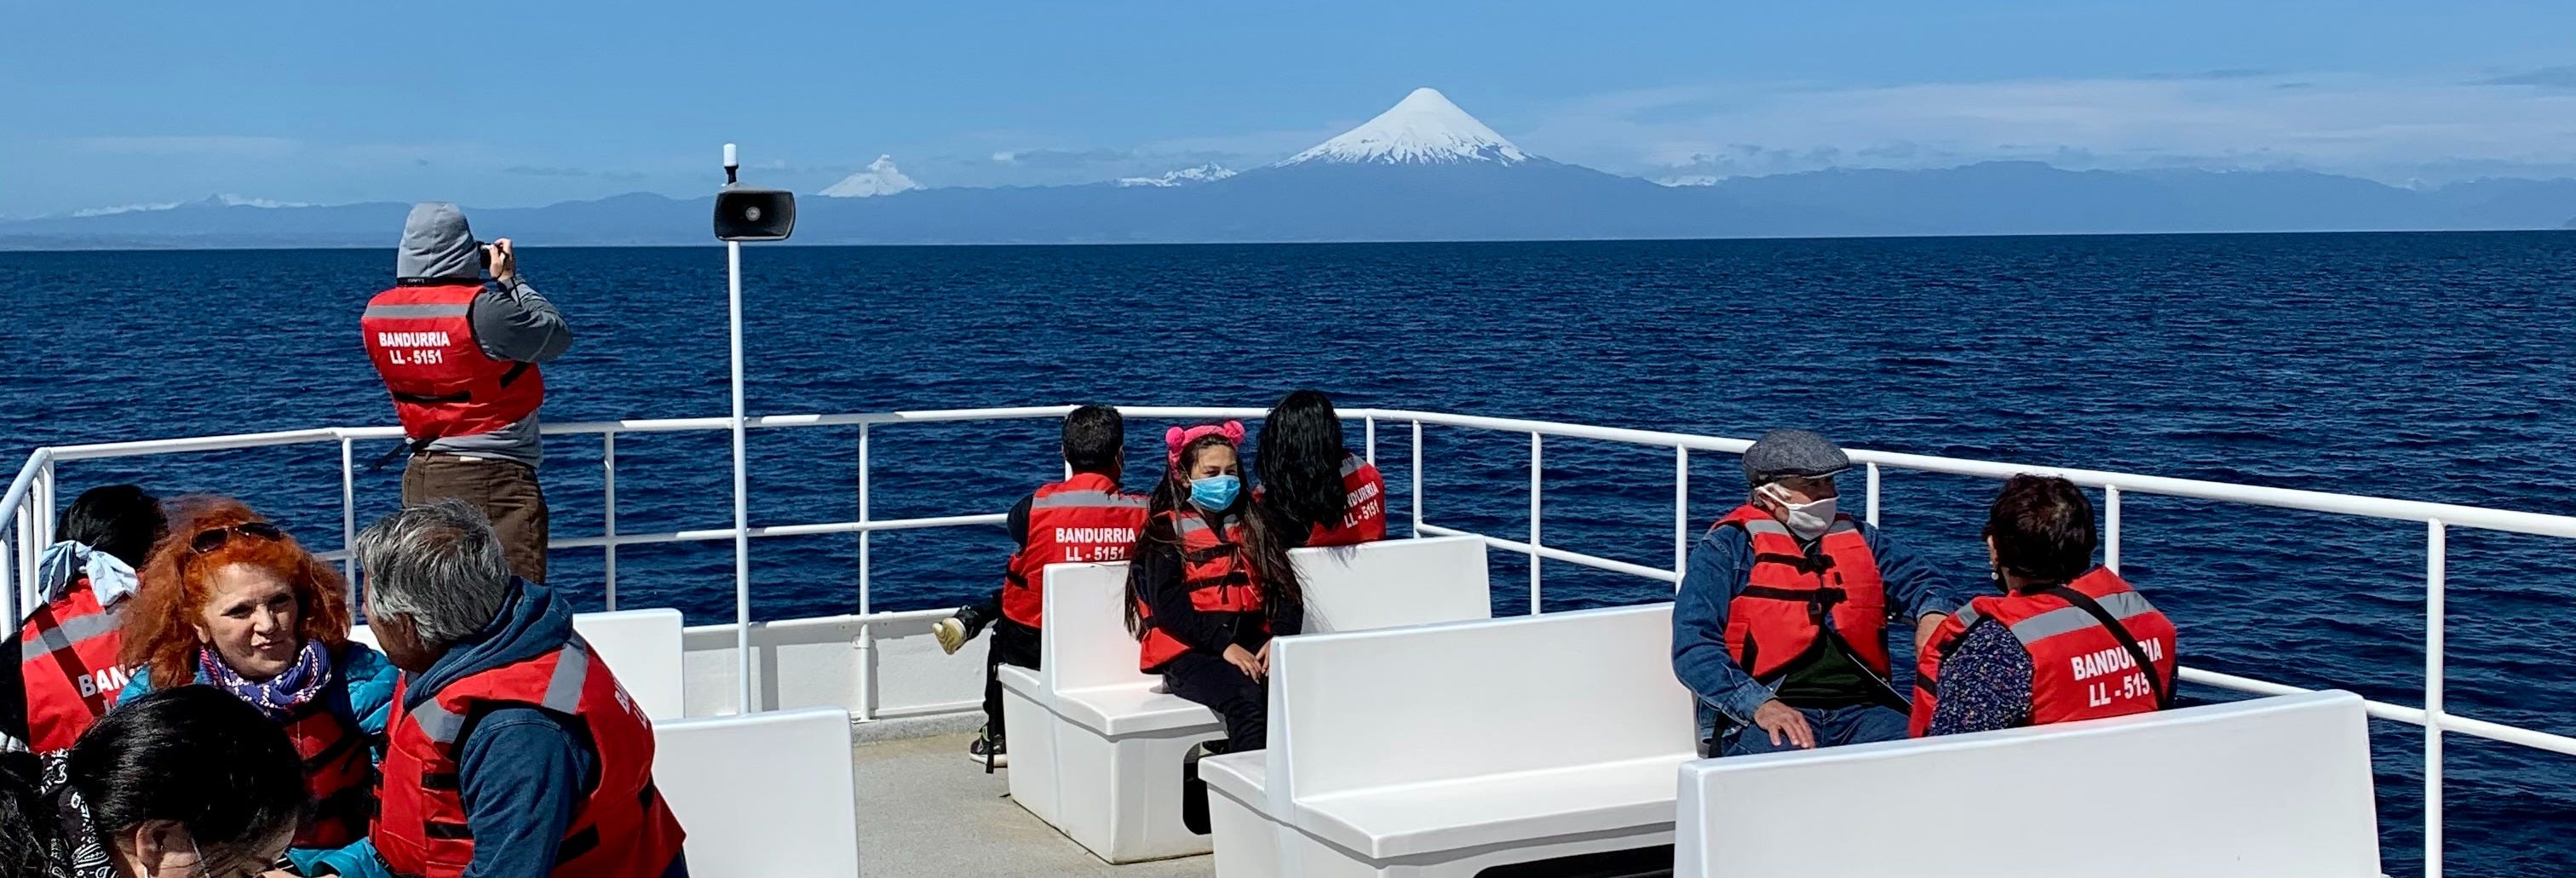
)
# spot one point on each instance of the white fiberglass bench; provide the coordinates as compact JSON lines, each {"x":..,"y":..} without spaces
{"x":1097,"y":749}
{"x":642,"y":647}
{"x":1451,"y":749}
{"x":2269,"y":788}
{"x":763,"y":794}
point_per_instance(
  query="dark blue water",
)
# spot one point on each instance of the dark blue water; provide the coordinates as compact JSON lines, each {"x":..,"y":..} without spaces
{"x":2419,"y":366}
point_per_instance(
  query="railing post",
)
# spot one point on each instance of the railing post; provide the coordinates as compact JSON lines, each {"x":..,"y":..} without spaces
{"x":863,"y":519}
{"x":1534,"y":543}
{"x":867,"y":643}
{"x":1417,"y":479}
{"x":1873,"y":495}
{"x":349,"y":518}
{"x":608,"y":515}
{"x":2111,"y":527}
{"x":1681,"y":512}
{"x":2434,"y":552}
{"x":42,"y":496}
{"x":1370,"y":434}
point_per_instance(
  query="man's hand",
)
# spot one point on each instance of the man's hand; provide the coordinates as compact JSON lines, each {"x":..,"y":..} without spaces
{"x":1783,"y":721}
{"x":505,"y":263}
{"x":1923,"y":629}
{"x":1243,"y":660}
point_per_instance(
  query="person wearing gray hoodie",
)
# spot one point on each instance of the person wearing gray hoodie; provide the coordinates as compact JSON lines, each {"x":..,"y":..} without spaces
{"x":459,"y":357}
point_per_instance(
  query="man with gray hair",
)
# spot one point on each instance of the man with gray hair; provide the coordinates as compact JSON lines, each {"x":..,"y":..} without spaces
{"x":460,"y":360}
{"x":513,"y":750}
{"x":1780,"y":628}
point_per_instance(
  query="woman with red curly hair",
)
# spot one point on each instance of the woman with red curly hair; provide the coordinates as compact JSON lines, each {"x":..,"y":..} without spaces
{"x":231,"y":601}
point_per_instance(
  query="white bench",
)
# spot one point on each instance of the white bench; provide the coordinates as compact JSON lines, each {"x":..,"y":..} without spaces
{"x":642,"y":647}
{"x":1449,"y":749}
{"x":1097,"y":749}
{"x":764,"y":794}
{"x":2269,"y":788}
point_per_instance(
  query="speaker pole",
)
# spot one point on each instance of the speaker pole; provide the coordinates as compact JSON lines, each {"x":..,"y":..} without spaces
{"x":741,"y":515}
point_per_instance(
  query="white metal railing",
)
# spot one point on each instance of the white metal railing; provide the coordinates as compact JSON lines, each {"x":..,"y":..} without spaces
{"x":30,"y":502}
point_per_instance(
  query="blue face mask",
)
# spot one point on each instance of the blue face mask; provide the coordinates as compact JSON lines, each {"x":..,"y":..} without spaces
{"x":1215,"y":493}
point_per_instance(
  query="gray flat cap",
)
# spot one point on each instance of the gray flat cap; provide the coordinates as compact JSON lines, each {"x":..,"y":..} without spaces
{"x":1782,"y":453}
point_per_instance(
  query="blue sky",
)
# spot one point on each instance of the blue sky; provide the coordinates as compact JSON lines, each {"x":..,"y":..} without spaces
{"x":524,"y":103}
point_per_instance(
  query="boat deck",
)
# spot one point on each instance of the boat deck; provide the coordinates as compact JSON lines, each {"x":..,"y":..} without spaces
{"x":926,"y":810}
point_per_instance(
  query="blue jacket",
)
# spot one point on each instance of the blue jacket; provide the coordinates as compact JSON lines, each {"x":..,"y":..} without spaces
{"x":522,"y":771}
{"x":1721,"y":565}
{"x":362,"y":692}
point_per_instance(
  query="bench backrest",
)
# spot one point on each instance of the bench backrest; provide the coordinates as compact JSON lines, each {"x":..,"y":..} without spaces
{"x":1392,"y":583}
{"x":2268,"y":787}
{"x":762,"y":794}
{"x":1440,"y":702}
{"x":1372,"y":585}
{"x":641,"y":646}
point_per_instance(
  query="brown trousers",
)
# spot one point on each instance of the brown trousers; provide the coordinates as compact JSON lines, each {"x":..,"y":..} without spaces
{"x":505,"y":490}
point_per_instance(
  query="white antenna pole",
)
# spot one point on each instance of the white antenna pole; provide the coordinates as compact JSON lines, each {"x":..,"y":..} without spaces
{"x":741,"y":514}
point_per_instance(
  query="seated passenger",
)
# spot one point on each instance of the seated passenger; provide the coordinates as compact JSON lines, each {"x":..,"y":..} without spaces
{"x":49,"y":696}
{"x":185,"y":781}
{"x":1084,"y":518}
{"x":1210,"y":585}
{"x":1319,"y":492}
{"x":514,"y":751}
{"x":2067,"y":640}
{"x":232,"y":602}
{"x":1780,"y":628}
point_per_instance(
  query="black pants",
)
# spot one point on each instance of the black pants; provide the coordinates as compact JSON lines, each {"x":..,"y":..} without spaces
{"x":1013,"y":643}
{"x":1242,"y":703}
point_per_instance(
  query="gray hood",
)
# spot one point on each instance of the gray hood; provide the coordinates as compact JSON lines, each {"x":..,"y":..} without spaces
{"x":436,"y":242}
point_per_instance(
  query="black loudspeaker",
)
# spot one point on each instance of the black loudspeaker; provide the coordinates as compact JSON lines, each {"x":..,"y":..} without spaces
{"x":744,"y":214}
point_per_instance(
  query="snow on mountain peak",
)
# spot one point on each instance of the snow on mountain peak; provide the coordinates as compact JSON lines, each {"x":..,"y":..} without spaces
{"x":223,"y":200}
{"x":1207,"y":173}
{"x":1425,"y":128}
{"x":878,"y":178}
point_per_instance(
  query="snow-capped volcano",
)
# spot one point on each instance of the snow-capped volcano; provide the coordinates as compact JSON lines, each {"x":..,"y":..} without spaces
{"x":879,"y":178}
{"x":1423,"y":128}
{"x":1207,"y":173}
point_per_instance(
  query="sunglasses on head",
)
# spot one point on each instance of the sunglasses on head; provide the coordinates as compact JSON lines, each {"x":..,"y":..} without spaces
{"x":214,"y":538}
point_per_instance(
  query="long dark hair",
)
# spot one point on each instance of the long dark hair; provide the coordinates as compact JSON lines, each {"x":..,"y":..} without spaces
{"x":1262,"y":544}
{"x":192,"y":755}
{"x":1300,"y":459}
{"x":121,"y":520}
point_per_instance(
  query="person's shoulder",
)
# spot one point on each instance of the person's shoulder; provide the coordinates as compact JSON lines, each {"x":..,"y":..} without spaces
{"x":359,"y":661}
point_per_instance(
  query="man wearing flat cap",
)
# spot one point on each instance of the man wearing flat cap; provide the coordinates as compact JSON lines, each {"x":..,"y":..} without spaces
{"x":1781,"y":626}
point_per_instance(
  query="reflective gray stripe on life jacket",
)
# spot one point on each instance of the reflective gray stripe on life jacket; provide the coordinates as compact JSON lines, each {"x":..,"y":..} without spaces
{"x":78,"y":630}
{"x":2121,"y":605}
{"x":1087,"y":499}
{"x":417,"y":312}
{"x":563,"y":695}
{"x":1764,"y":526}
{"x":1352,"y":463}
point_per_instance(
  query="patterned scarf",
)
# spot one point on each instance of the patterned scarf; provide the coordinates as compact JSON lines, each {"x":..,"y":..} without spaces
{"x":278,"y":696}
{"x":76,"y":850}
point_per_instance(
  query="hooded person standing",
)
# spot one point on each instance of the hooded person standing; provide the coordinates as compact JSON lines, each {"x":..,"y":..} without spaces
{"x":459,"y":357}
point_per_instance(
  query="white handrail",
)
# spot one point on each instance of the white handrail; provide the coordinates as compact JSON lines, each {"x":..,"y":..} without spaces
{"x":28,"y":504}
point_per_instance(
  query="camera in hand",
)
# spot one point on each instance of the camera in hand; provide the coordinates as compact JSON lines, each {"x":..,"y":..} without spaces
{"x":746,"y":214}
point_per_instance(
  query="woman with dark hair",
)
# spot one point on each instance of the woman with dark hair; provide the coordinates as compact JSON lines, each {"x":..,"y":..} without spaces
{"x":49,"y":697}
{"x":183,"y":782}
{"x":1208,"y":584}
{"x":2067,"y":640}
{"x":231,"y":601}
{"x":1319,"y":492}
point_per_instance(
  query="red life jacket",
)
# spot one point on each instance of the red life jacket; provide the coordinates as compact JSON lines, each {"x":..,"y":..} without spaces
{"x":1078,"y":520}
{"x":421,"y":339}
{"x":1363,"y":507}
{"x":67,"y":654}
{"x":1220,"y":579}
{"x":1790,"y":596}
{"x":337,"y":773}
{"x":622,"y":829}
{"x":2080,"y":667}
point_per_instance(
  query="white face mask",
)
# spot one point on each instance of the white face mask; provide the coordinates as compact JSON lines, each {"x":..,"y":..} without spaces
{"x":1807,"y":520}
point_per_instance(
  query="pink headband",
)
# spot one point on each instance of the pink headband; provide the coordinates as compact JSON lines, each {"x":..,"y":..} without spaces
{"x":1178,"y":438}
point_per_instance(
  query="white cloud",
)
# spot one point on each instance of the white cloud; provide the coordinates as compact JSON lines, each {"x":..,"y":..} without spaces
{"x":2388,"y":129}
{"x":226,"y":200}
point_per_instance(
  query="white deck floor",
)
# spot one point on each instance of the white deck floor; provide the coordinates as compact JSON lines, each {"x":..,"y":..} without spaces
{"x":926,"y":810}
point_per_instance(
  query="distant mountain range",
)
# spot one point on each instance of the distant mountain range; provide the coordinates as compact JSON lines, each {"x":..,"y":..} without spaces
{"x":1423,"y":170}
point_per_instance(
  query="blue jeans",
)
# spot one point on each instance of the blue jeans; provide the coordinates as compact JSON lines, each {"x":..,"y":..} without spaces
{"x":1833,"y":728}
